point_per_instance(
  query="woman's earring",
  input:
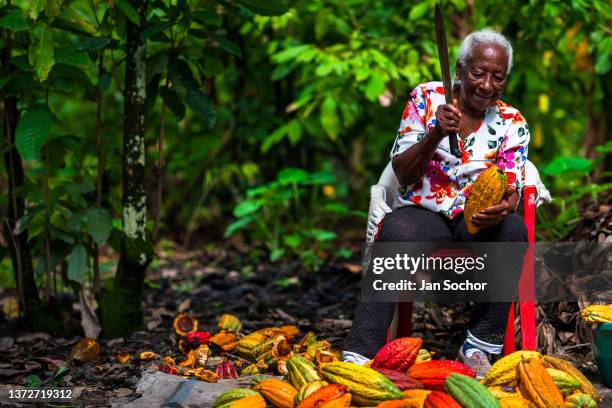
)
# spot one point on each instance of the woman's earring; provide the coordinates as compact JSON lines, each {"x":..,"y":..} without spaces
{"x":456,"y":82}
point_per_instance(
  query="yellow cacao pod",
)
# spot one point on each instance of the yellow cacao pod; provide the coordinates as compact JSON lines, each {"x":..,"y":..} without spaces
{"x":566,"y":383}
{"x":228,"y":322}
{"x":560,"y":364}
{"x":488,"y":189}
{"x":596,"y":314}
{"x":503,"y":372}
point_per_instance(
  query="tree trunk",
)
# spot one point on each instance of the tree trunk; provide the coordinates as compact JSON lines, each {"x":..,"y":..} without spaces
{"x":121,"y":310}
{"x":20,"y":248}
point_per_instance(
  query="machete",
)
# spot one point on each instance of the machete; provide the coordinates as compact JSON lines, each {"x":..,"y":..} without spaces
{"x":446,"y":78}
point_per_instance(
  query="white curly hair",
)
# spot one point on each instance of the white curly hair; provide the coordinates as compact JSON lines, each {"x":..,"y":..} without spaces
{"x":485,"y":36}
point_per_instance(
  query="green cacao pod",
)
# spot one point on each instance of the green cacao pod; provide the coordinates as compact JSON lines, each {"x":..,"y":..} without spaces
{"x":301,"y":371}
{"x":469,"y":392}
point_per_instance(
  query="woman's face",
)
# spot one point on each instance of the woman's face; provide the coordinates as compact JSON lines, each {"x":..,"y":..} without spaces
{"x":483,"y":79}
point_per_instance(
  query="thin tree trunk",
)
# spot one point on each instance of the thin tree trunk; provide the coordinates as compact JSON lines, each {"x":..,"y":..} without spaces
{"x":99,"y":170}
{"x":159,"y":171}
{"x":20,"y":248}
{"x":121,"y":311}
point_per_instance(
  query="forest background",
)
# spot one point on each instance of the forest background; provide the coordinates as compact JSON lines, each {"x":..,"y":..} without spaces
{"x":132,"y":127}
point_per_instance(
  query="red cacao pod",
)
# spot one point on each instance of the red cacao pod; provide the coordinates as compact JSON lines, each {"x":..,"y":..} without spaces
{"x":433,"y":373}
{"x":398,"y":354}
{"x":400,"y":379}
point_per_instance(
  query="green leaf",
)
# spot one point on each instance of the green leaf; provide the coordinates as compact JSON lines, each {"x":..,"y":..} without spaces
{"x":99,"y":224}
{"x":14,"y":21}
{"x":227,"y":45}
{"x":36,"y":6}
{"x":273,"y":138}
{"x":32,"y":131}
{"x":604,"y":149}
{"x":77,"y":264}
{"x":247,"y":207}
{"x":563,"y":165}
{"x":418,"y":11}
{"x":53,"y":8}
{"x":294,"y":131}
{"x":201,"y":106}
{"x":24,"y":221}
{"x":237,"y":225}
{"x":375,"y":86}
{"x":291,"y":175}
{"x":290,"y":53}
{"x":292,"y":241}
{"x":337,"y":208}
{"x":276,"y":254}
{"x":321,"y":235}
{"x":129,"y":11}
{"x":41,"y":52}
{"x":322,"y":177}
{"x":207,"y":17}
{"x":71,"y":55}
{"x":32,"y":381}
{"x":266,"y":7}
{"x":329,"y":118}
{"x":173,"y":101}
{"x":212,"y":66}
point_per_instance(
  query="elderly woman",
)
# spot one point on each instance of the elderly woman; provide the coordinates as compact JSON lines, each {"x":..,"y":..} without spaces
{"x":435,"y":185}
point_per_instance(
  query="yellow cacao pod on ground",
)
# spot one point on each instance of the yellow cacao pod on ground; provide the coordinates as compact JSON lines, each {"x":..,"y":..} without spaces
{"x":515,"y":402}
{"x":580,"y":400}
{"x":301,"y":371}
{"x":563,"y":365}
{"x":367,"y":386}
{"x":537,"y":386}
{"x":228,"y":322}
{"x":488,"y":189}
{"x":566,"y":383}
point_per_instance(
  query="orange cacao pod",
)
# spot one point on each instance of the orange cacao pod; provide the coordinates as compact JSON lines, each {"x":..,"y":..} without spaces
{"x":398,"y":354}
{"x":438,"y":399}
{"x":433,"y":373}
{"x":279,"y":393}
{"x":536,"y":384}
{"x":323,"y":395}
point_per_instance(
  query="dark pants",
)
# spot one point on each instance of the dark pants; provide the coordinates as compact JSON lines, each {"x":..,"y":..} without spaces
{"x":416,"y":224}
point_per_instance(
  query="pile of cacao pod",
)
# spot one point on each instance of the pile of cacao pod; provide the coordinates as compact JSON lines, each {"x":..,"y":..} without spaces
{"x":290,"y":371}
{"x":307,"y":373}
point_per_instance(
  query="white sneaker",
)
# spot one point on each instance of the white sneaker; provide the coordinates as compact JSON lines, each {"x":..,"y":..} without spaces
{"x":351,"y":357}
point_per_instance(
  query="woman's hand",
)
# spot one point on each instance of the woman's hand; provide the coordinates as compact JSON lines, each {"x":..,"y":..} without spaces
{"x":494,"y":215}
{"x":448,"y":118}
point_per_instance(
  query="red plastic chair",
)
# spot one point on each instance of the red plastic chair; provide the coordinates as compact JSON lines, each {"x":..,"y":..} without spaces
{"x":527,"y":311}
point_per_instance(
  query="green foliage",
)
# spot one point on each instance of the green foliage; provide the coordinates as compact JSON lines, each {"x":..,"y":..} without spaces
{"x":277,"y":115}
{"x":284,"y":215}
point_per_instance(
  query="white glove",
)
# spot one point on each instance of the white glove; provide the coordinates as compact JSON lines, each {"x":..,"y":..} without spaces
{"x":378,"y":210}
{"x":532,"y":178}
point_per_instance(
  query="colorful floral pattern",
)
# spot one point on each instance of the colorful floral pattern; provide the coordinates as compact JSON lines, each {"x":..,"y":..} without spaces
{"x":501,"y":139}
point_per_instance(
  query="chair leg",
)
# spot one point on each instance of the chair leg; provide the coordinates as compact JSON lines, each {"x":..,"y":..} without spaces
{"x":509,"y":341}
{"x":404,"y":321}
{"x":527,"y":309}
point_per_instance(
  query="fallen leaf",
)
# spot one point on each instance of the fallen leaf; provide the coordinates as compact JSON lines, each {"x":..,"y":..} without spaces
{"x":6,"y":343}
{"x":26,"y":338}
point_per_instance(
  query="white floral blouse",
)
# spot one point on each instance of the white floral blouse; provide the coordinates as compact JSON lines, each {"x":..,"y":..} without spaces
{"x":501,"y":139}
